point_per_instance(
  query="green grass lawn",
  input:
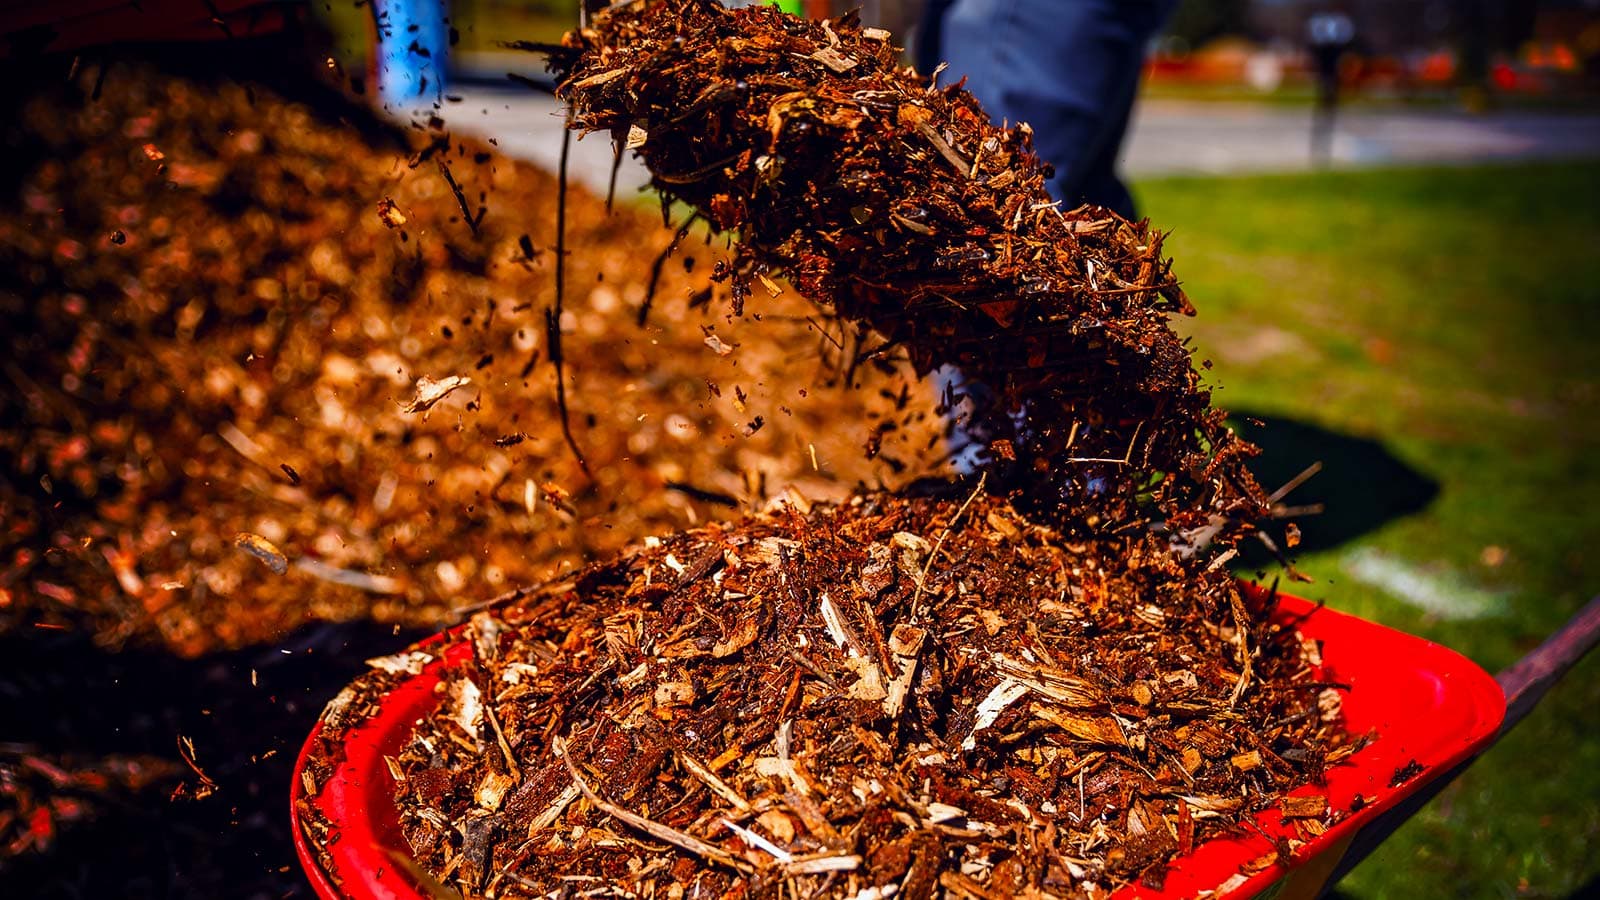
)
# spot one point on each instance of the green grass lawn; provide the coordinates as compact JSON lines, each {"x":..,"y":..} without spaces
{"x":1446,"y":318}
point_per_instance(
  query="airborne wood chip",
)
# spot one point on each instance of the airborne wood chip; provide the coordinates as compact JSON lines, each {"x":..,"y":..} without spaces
{"x":430,"y":392}
{"x":389,"y":213}
{"x":263,"y":550}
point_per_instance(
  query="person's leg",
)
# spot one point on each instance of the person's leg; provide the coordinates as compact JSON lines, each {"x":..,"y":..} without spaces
{"x":930,"y":31}
{"x":1100,"y":182}
{"x":1069,"y":68}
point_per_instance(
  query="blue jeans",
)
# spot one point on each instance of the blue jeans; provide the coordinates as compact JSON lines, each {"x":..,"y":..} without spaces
{"x":1069,"y":68}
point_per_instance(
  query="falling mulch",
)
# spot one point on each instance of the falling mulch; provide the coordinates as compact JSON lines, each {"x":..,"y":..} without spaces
{"x":1051,"y":687}
{"x":261,"y":370}
{"x":898,"y":204}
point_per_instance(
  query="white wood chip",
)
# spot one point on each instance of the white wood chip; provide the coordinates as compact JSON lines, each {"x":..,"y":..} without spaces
{"x":430,"y":392}
{"x":1007,"y":692}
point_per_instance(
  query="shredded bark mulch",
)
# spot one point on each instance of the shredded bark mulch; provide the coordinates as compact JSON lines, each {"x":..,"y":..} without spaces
{"x":890,"y":695}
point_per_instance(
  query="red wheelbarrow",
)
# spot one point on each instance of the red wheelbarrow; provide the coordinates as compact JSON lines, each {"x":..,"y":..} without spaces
{"x":1433,"y":711}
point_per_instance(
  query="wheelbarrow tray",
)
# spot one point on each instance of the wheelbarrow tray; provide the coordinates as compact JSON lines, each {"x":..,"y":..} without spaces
{"x":1430,"y":710}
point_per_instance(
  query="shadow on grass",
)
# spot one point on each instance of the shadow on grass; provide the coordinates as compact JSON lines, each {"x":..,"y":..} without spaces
{"x":1361,"y":486}
{"x":61,"y":695}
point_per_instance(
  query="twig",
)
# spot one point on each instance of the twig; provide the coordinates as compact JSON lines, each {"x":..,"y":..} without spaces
{"x":1222,"y":559}
{"x":829,"y":863}
{"x":461,"y":197}
{"x":660,"y":263}
{"x":831,"y":339}
{"x":755,"y":840}
{"x":1294,"y":482}
{"x":1288,"y":512}
{"x":945,"y":150}
{"x":813,"y":668}
{"x":656,"y":830}
{"x":922,"y":577}
{"x":552,"y":316}
{"x":557,"y":806}
{"x":187,"y":754}
{"x":1136,"y":289}
{"x":499,"y":600}
{"x":1248,"y":669}
{"x":377,"y":584}
{"x":719,"y":787}
{"x":527,"y":82}
{"x":500,"y":738}
{"x":616,"y":166}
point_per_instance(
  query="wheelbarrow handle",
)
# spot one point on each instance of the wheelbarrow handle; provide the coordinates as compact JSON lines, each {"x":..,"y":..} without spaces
{"x":1525,"y":682}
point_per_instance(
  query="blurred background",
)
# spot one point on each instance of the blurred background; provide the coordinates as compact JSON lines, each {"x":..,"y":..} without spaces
{"x":1543,"y":52}
{"x":1398,"y":276}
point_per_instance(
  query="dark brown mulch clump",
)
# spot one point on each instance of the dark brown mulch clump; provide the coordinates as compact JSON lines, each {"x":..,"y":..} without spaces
{"x":889,"y":694}
{"x":217,"y":302}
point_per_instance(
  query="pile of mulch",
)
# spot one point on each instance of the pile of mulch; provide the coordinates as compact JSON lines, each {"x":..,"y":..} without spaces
{"x":232,"y":320}
{"x":214,"y":318}
{"x":890,"y":696}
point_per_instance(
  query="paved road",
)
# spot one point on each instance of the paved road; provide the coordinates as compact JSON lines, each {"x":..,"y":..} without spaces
{"x":528,"y":125}
{"x":1168,"y":137}
{"x":1174,"y":137}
